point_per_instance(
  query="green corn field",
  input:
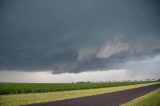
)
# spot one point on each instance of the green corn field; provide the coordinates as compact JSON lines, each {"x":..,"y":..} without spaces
{"x":16,"y":88}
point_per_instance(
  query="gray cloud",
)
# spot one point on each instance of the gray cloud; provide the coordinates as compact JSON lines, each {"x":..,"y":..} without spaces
{"x":75,"y":36}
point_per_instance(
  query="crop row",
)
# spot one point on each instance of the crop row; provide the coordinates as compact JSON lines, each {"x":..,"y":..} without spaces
{"x":16,"y":88}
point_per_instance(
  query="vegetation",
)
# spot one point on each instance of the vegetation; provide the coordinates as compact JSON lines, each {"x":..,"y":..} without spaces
{"x":19,"y":99}
{"x":151,"y":99}
{"x":16,"y":88}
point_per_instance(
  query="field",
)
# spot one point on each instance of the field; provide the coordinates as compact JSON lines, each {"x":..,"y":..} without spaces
{"x":17,"y":99}
{"x":16,"y":88}
{"x":151,"y":99}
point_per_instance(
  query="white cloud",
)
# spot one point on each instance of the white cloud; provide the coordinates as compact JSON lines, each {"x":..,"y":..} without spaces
{"x":112,"y":48}
{"x":48,"y":77}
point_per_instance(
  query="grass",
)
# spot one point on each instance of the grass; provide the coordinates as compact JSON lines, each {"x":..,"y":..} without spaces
{"x":151,"y":99}
{"x":16,"y":88}
{"x":17,"y":99}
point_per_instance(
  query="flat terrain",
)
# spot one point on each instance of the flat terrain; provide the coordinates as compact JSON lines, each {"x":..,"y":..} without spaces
{"x":30,"y":98}
{"x":21,"y":88}
{"x":108,"y":99}
{"x":150,"y":99}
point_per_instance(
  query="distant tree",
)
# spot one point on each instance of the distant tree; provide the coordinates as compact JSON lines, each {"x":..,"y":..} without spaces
{"x":148,"y":79}
{"x":153,"y":80}
{"x":158,"y":80}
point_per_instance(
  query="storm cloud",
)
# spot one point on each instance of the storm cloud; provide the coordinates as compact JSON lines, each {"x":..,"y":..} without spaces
{"x":77,"y":35}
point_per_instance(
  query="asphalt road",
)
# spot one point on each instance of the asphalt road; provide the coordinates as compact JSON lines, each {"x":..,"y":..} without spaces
{"x":108,"y":99}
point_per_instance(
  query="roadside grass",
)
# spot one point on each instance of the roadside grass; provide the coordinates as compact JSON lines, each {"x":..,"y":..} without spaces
{"x":151,"y":99}
{"x":19,"y":99}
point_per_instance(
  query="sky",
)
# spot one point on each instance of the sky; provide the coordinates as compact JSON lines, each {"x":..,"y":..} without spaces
{"x":79,"y":40}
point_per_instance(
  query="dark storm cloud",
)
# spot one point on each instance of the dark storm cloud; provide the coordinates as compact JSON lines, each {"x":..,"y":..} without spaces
{"x":77,"y":35}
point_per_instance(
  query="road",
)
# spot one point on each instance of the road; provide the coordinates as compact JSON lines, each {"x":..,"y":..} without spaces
{"x":108,"y":99}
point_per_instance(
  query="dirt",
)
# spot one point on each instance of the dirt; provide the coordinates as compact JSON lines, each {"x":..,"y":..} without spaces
{"x":108,"y":99}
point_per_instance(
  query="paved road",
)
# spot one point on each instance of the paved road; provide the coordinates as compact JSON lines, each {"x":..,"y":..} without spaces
{"x":108,"y":99}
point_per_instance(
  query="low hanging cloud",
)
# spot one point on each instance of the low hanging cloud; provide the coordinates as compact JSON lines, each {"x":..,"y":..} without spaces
{"x":112,"y":48}
{"x":77,"y":36}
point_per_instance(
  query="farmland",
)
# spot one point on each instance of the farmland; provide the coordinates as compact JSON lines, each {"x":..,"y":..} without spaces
{"x":29,"y":98}
{"x":16,"y":88}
